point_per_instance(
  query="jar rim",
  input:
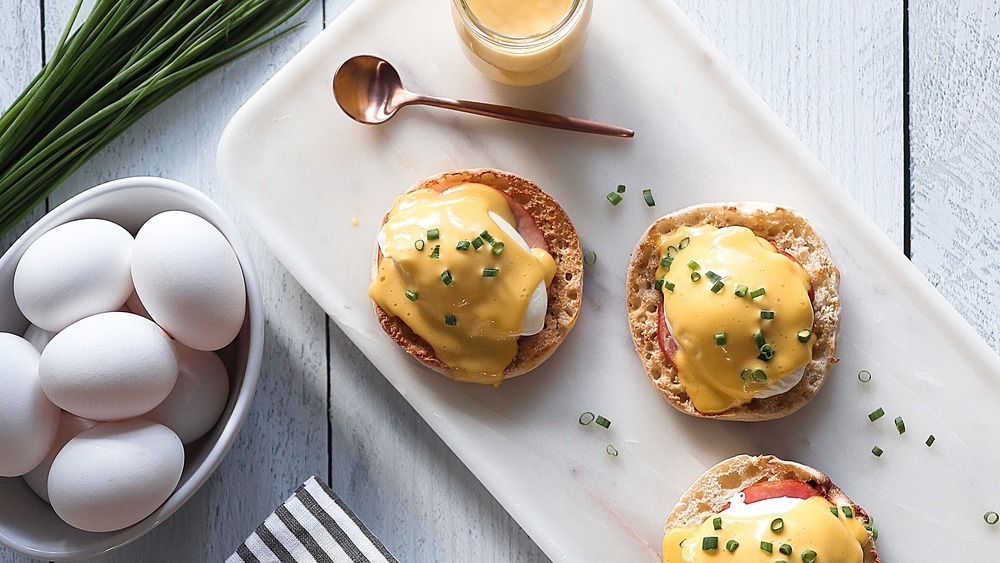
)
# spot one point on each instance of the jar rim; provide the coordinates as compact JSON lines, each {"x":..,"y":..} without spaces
{"x":487,"y":34}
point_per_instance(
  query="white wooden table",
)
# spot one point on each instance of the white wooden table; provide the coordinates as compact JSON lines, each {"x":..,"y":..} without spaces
{"x":901,"y":104}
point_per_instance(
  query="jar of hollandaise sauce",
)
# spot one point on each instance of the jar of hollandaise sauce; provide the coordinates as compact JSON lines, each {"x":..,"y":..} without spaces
{"x":522,"y":42}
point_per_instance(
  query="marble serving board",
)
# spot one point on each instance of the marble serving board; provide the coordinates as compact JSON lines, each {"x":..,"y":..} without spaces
{"x":315,"y":184}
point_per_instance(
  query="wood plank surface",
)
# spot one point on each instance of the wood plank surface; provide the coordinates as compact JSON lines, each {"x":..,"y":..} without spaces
{"x":955,"y":154}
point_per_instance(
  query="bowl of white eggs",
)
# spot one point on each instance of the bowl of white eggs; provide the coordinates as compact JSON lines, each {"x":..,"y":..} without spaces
{"x":131,"y":332}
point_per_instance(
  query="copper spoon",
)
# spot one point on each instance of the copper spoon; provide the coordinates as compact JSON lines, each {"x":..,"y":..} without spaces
{"x":369,"y":90}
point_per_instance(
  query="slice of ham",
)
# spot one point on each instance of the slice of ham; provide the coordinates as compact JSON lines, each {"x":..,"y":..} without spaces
{"x":788,"y":488}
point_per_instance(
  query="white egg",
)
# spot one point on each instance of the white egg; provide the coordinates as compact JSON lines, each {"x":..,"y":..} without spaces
{"x":133,"y":305}
{"x":538,"y":304}
{"x":73,"y":271}
{"x":198,"y":398}
{"x":115,"y":474}
{"x":110,"y":366}
{"x":39,"y":337}
{"x":28,"y":420}
{"x":189,"y":278}
{"x":69,"y":427}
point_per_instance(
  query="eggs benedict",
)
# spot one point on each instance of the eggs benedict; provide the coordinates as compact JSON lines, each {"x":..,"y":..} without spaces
{"x":478,"y":274}
{"x":766,"y":509}
{"x":734,"y":310}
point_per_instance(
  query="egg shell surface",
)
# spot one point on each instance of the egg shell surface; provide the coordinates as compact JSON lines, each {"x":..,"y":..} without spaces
{"x":69,"y":426}
{"x":109,"y":366}
{"x":75,"y":270}
{"x":199,"y":396}
{"x":28,"y":419}
{"x":189,"y":279}
{"x":115,"y":474}
{"x":39,"y":337}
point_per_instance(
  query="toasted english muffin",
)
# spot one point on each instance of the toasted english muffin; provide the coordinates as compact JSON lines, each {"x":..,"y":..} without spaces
{"x":790,"y":233}
{"x":710,"y":493}
{"x":565,"y":293}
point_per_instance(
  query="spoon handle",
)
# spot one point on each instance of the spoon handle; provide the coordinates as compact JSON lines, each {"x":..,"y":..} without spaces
{"x":525,"y":116}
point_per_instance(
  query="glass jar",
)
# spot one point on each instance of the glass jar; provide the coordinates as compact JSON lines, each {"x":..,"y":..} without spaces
{"x":522,"y":42}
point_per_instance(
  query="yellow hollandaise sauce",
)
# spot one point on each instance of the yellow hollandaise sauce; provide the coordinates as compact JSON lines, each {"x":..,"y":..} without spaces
{"x":520,"y":18}
{"x":812,"y":530}
{"x":458,"y":279}
{"x":739,"y":311}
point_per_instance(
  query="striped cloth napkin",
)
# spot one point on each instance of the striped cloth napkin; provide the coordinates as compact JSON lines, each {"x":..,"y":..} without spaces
{"x":312,"y":525}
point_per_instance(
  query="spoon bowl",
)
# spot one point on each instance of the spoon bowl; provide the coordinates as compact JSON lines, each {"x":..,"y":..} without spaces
{"x":370,"y":91}
{"x":367,"y":88}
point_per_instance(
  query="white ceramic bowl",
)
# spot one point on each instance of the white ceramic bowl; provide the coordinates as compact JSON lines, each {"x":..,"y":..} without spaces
{"x":28,"y":525}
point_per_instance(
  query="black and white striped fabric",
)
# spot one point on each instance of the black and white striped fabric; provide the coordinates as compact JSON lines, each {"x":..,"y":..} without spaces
{"x":312,"y":525}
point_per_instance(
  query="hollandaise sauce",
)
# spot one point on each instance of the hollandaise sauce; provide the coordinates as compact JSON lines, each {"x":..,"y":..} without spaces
{"x":810,"y":530}
{"x":520,"y":18}
{"x":455,"y":270}
{"x":739,"y":311}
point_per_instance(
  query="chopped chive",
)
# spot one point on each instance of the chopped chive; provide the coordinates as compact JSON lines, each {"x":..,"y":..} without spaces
{"x":586,"y":418}
{"x":669,"y":285}
{"x":450,"y":320}
{"x":900,"y":427}
{"x":614,"y":198}
{"x":672,"y":251}
{"x":717,"y":523}
{"x":695,"y":276}
{"x":991,"y":517}
{"x":412,"y":295}
{"x":601,"y":421}
{"x":498,"y":248}
{"x":731,"y":545}
{"x":485,"y":235}
{"x":436,"y":253}
{"x":717,"y":286}
{"x":712,"y":276}
{"x":805,"y":335}
{"x":746,"y":374}
{"x":477,"y":243}
{"x":767,"y":546}
{"x":874,"y":532}
{"x":621,"y":188}
{"x":758,"y":337}
{"x":848,"y":511}
{"x":666,"y":262}
{"x":759,"y":375}
{"x":757,"y":293}
{"x":930,"y":440}
{"x":877,"y":451}
{"x":876,"y":414}
{"x":864,"y":376}
{"x":767,"y":315}
{"x":766,"y":352}
{"x":658,"y":285}
{"x":693,"y":265}
{"x":648,"y":196}
{"x":684,"y":242}
{"x":611,"y":451}
{"x":777,"y":525}
{"x":418,"y":244}
{"x":446,"y":277}
{"x":463,"y":245}
{"x":785,"y":549}
{"x":834,"y":511}
{"x":433,"y":234}
{"x":741,"y":290}
{"x":720,"y":339}
{"x":808,"y":556}
{"x":491,"y":272}
{"x":590,"y":258}
{"x":709,"y":543}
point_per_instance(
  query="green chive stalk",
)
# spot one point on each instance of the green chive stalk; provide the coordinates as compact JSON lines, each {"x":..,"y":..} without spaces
{"x":126,"y":57}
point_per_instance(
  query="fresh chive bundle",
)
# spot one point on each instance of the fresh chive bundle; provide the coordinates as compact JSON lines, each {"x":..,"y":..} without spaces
{"x":123,"y":60}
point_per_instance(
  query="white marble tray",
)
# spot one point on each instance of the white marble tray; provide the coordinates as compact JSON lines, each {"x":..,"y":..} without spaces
{"x":300,"y":172}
